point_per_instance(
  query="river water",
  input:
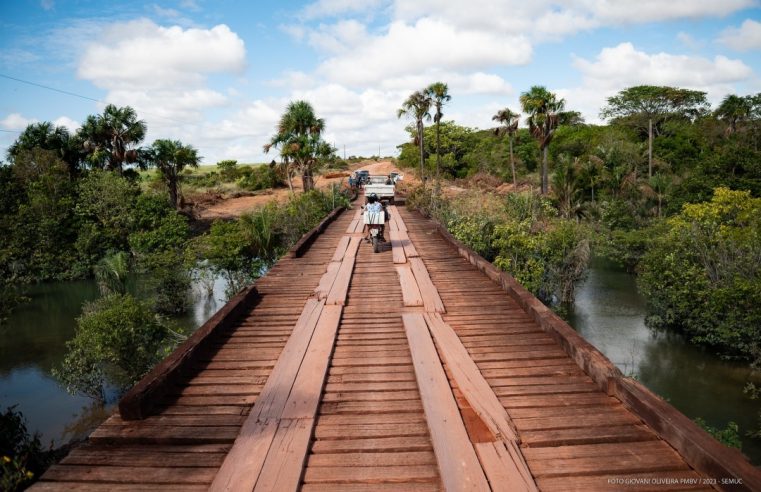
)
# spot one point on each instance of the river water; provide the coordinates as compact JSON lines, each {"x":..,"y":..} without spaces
{"x":608,"y":312}
{"x":32,"y":342}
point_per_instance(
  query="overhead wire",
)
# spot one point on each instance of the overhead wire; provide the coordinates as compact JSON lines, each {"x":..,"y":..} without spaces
{"x":74,"y":94}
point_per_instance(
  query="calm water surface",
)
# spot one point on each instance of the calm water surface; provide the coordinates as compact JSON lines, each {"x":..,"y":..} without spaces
{"x":32,"y":342}
{"x":610,"y":314}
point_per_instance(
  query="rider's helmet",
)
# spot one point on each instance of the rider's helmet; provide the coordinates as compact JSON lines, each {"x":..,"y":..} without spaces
{"x":372,"y":198}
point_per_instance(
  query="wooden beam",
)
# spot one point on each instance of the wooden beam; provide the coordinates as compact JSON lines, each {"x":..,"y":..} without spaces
{"x":343,"y":243}
{"x":138,"y":402}
{"x":502,"y":460}
{"x":409,"y":248}
{"x":286,"y":458}
{"x":431,"y":299}
{"x":242,"y":465}
{"x":340,"y":288}
{"x":397,"y":249}
{"x":397,"y":218}
{"x":327,"y":280}
{"x":410,"y":292}
{"x":458,"y":464}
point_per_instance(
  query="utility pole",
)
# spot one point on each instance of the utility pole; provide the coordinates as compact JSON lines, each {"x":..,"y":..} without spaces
{"x":344,"y":151}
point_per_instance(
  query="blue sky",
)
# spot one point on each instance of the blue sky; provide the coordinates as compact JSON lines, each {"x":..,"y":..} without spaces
{"x":217,"y":74}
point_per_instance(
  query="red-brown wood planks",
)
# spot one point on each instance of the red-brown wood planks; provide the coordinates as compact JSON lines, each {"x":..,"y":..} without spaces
{"x":458,"y":464}
{"x":396,"y":248}
{"x":431,"y":299}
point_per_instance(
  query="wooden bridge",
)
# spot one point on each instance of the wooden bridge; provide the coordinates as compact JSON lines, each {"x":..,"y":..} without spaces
{"x":418,"y":368}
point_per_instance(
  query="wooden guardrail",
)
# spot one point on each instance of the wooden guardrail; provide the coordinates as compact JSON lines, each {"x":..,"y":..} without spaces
{"x":724,"y":468}
{"x":139,"y":401}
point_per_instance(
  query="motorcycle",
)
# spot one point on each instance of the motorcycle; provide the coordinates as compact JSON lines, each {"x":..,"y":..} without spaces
{"x":376,"y":224}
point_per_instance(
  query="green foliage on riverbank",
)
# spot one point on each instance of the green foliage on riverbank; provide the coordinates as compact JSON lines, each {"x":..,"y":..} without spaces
{"x":118,"y":339}
{"x":240,"y":250}
{"x":522,"y":234}
{"x":702,"y":274}
{"x":22,"y":457}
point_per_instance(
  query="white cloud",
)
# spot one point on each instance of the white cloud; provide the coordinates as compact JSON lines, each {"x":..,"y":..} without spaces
{"x":689,"y":41}
{"x":47,"y":4}
{"x":743,"y":38}
{"x":141,"y":54}
{"x":16,"y":122}
{"x":70,"y":124}
{"x":426,"y":45}
{"x":616,"y":68}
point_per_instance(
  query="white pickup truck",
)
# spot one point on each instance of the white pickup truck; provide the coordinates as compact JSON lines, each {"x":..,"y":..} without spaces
{"x":377,"y":185}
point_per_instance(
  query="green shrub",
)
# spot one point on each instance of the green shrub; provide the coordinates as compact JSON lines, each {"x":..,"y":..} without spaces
{"x":729,"y":436}
{"x":118,"y":339}
{"x":259,"y":178}
{"x":702,"y":274}
{"x":22,"y":459}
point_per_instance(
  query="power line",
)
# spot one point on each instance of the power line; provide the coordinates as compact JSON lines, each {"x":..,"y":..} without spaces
{"x":73,"y":94}
{"x":11,"y":131}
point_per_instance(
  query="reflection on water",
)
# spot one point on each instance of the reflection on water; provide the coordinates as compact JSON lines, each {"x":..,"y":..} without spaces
{"x":32,"y":342}
{"x":610,"y":314}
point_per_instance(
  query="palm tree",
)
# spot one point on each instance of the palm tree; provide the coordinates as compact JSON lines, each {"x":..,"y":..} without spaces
{"x":438,"y":92}
{"x":170,"y":157}
{"x":544,"y":110}
{"x":509,"y":122}
{"x":110,"y":136}
{"x":46,"y":136}
{"x":734,"y":110}
{"x":417,"y":106}
{"x":299,"y":137}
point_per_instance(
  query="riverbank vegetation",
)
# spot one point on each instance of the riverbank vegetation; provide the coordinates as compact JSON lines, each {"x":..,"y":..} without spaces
{"x":668,"y":188}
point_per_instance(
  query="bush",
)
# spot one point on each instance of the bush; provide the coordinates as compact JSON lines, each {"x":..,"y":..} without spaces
{"x":228,"y":169}
{"x":22,"y":459}
{"x":729,"y":436}
{"x":259,"y":178}
{"x":702,"y":274}
{"x":118,"y":339}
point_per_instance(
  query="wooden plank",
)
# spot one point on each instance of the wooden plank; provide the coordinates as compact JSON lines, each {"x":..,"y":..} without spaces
{"x":506,"y":456}
{"x":499,"y":467}
{"x":305,"y":395}
{"x":343,"y":243}
{"x":458,"y":464}
{"x":243,"y":463}
{"x":469,"y":379}
{"x":285,"y":461}
{"x":352,"y":226}
{"x":328,"y":279}
{"x":340,"y":288}
{"x":409,"y":248}
{"x":410,"y":290}
{"x":397,"y":249}
{"x":397,"y":218}
{"x":431,"y":299}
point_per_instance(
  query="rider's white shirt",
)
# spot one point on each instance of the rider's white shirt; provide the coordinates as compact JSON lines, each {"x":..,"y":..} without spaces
{"x":374,"y":207}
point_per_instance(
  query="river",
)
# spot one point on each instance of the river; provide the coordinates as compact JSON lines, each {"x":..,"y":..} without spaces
{"x":610,"y":313}
{"x":32,"y":342}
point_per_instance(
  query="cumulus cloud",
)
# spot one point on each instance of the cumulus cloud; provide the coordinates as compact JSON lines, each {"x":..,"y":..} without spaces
{"x":67,"y":122}
{"x":141,"y":54}
{"x":428,"y":44}
{"x":616,"y":68}
{"x":743,"y":38}
{"x":16,"y":122}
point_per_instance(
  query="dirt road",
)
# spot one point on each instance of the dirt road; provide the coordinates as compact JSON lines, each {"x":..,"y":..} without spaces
{"x":235,"y":207}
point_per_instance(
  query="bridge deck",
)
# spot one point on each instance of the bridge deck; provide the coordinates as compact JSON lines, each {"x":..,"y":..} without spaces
{"x":380,"y":390}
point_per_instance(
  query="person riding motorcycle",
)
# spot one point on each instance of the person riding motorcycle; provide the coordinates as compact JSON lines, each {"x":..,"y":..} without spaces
{"x":374,"y":205}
